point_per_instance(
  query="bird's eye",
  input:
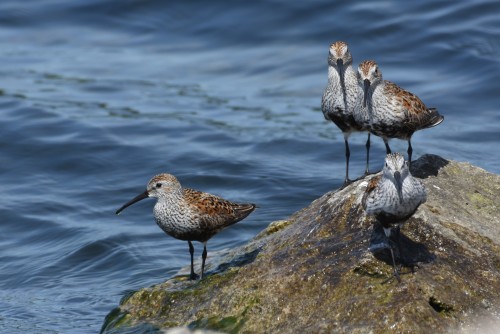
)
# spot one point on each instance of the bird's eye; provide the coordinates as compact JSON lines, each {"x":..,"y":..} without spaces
{"x":158,"y":185}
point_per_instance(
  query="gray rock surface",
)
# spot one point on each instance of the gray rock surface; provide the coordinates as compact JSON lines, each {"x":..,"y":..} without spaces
{"x":314,"y":273}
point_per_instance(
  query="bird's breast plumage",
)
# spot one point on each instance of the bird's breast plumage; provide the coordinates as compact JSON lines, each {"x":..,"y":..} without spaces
{"x":382,"y":199}
{"x":343,"y":104}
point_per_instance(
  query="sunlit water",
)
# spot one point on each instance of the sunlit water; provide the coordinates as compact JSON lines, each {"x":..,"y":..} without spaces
{"x":98,"y":96}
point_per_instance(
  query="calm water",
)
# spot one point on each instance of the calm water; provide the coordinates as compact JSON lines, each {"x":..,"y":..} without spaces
{"x":98,"y":96}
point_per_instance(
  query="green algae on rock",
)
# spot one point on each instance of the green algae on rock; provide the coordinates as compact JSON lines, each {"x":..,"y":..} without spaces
{"x":314,"y":273}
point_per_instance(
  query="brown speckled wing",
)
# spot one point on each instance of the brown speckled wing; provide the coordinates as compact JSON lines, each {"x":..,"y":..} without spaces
{"x":215,"y":212}
{"x":370,"y":188}
{"x":206,"y":203}
{"x":417,"y":115}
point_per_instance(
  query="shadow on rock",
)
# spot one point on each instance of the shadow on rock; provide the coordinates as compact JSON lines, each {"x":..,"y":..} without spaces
{"x":427,"y":165}
{"x":238,"y":261}
{"x":409,"y":253}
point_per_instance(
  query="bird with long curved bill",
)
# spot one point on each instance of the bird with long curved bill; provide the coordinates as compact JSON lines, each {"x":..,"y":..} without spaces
{"x":188,"y":214}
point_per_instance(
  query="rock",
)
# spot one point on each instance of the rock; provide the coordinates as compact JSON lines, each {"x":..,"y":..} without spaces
{"x":314,"y":272}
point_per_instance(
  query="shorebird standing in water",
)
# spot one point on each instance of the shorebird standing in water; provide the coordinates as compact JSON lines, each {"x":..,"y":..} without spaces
{"x":188,"y":214}
{"x":394,"y":112}
{"x":394,"y":196}
{"x":342,"y":99}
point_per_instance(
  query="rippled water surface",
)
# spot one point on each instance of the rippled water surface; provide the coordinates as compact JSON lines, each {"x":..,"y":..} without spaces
{"x":98,"y":96}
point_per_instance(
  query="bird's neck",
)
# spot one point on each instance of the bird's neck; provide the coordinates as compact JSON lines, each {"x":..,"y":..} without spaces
{"x":172,"y":201}
{"x":349,"y":72}
{"x":373,"y":95}
{"x":388,"y":184}
{"x":377,"y":87}
{"x":350,"y":78}
{"x":333,"y":76}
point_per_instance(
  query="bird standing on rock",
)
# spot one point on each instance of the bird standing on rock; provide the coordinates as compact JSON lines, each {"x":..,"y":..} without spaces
{"x":342,"y":99}
{"x":394,"y":112}
{"x":188,"y":214}
{"x":394,"y":196}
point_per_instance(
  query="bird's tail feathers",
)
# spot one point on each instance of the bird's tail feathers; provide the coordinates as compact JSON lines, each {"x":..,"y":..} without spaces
{"x":435,"y":118}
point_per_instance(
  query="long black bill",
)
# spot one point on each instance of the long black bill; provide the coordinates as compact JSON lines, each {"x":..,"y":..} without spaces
{"x":399,"y":185}
{"x":132,"y":201}
{"x":340,"y":65}
{"x":366,"y":87}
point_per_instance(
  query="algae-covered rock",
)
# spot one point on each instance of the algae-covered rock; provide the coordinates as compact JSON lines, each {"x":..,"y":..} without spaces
{"x":314,"y":273}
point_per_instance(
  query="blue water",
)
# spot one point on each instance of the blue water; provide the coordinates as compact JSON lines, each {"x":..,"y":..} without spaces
{"x":98,"y":96}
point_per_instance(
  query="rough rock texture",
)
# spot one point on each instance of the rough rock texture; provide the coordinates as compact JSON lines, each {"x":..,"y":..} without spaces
{"x":314,"y":273}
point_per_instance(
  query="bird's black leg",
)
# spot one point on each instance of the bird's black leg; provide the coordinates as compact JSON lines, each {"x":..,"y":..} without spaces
{"x":203,"y":258}
{"x":398,"y":243}
{"x":410,"y":151}
{"x":403,"y":261}
{"x":396,"y":271}
{"x":387,"y":148}
{"x":387,"y":232}
{"x":367,"y":170}
{"x":192,"y":276}
{"x":347,"y":155}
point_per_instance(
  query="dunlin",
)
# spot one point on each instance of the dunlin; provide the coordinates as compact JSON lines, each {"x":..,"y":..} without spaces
{"x":394,"y":196}
{"x":188,"y":214}
{"x":342,"y":99}
{"x":394,"y":112}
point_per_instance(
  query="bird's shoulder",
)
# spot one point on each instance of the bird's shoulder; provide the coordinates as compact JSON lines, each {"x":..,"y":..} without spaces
{"x":207,"y":204}
{"x":370,"y":188}
{"x":409,"y":101}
